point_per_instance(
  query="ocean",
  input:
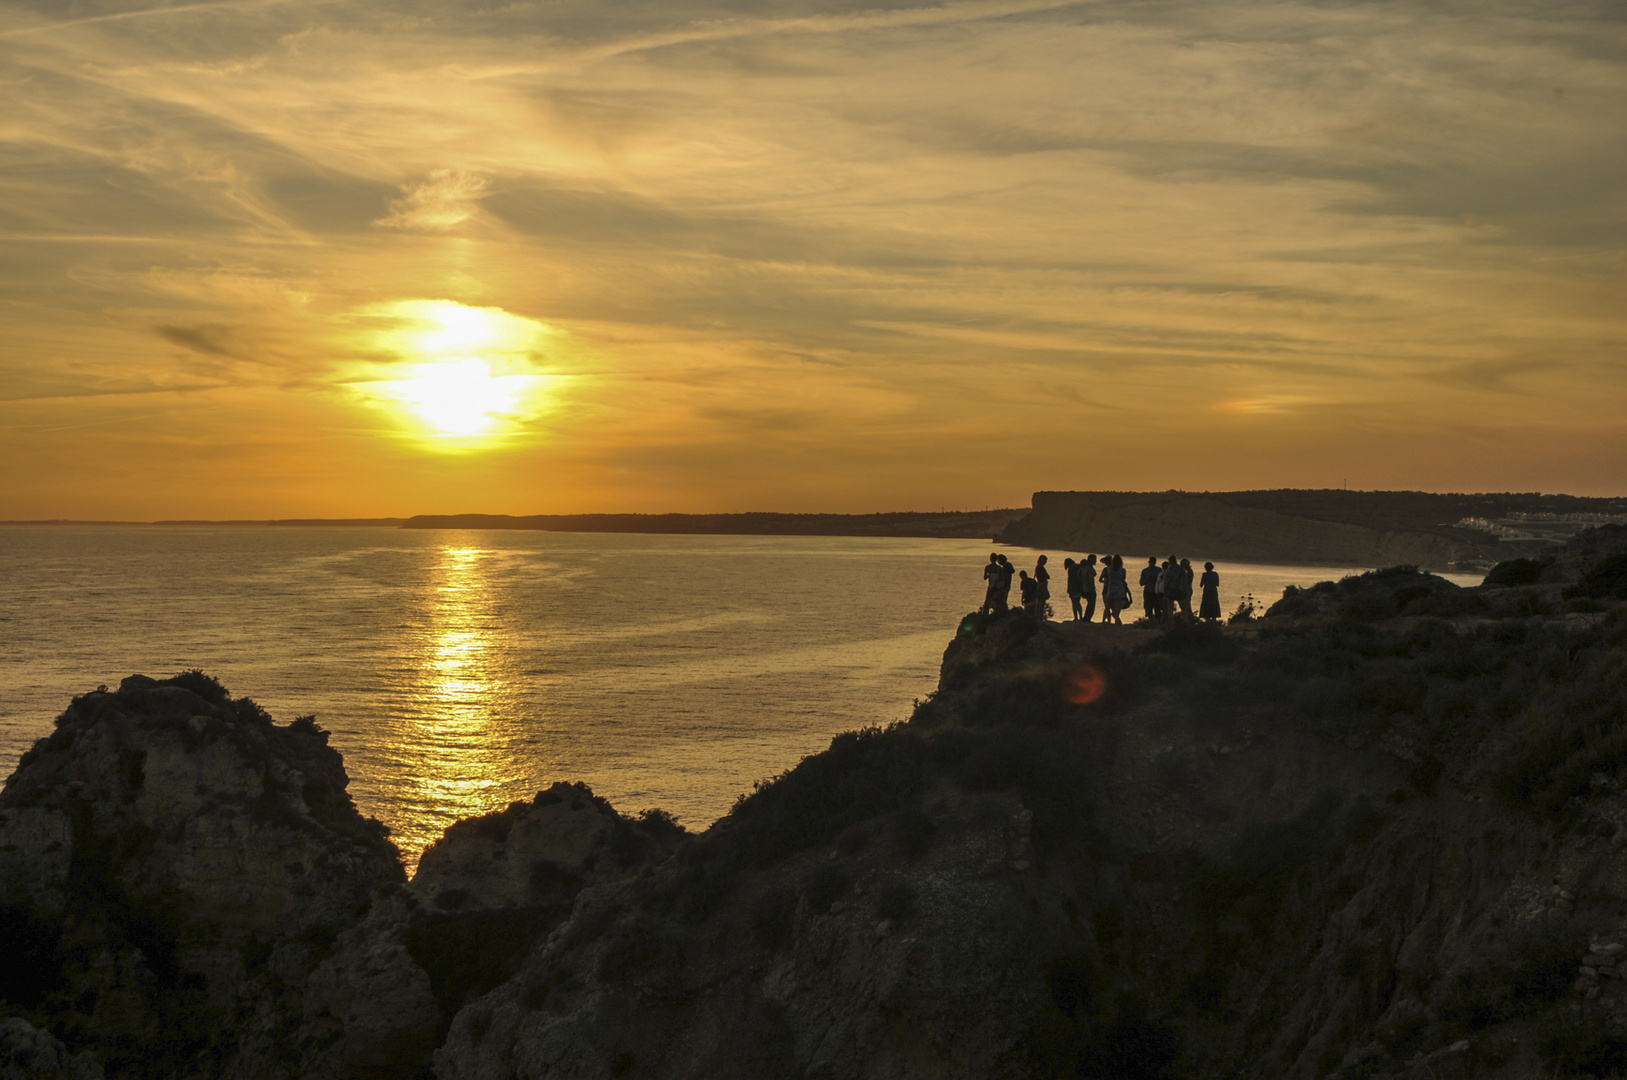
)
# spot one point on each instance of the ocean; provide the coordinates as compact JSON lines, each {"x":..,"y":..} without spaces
{"x":461,"y":670}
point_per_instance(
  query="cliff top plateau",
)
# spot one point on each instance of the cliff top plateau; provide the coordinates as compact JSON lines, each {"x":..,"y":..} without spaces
{"x":1374,"y":831}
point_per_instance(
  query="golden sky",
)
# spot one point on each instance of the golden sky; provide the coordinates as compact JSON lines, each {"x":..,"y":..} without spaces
{"x":275,"y":258}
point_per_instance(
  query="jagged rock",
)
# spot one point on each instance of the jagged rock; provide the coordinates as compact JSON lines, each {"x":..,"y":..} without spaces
{"x":173,"y":864}
{"x":27,"y":1053}
{"x":527,"y":855}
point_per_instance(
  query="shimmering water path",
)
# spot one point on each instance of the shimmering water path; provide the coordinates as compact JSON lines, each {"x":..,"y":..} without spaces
{"x":461,"y":670}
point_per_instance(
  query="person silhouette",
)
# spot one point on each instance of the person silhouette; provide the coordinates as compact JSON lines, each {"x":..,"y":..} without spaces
{"x":1042,"y":588}
{"x":1087,"y":581}
{"x":991,"y":583}
{"x":1076,"y":588}
{"x":1186,"y":587}
{"x":1003,"y":601}
{"x":1210,"y":608}
{"x":1118,"y":590}
{"x":1025,"y":590}
{"x":1149,"y":587}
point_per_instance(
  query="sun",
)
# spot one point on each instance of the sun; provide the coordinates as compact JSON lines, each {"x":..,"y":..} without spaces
{"x":458,"y":377}
{"x":462,"y":397}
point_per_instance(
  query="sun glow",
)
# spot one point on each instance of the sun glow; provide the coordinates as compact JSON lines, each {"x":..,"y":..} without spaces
{"x":462,"y":376}
{"x":463,"y":397}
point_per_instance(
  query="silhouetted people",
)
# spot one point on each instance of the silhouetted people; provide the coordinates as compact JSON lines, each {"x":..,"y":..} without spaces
{"x":1003,"y":601}
{"x":1073,"y":574}
{"x":1210,"y":608}
{"x":1149,"y":587}
{"x":1026,"y":589}
{"x":1042,"y":588}
{"x":991,"y":583}
{"x":1185,"y":579}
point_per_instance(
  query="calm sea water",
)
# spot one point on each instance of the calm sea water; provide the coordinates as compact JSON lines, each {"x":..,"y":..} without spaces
{"x":460,"y":670}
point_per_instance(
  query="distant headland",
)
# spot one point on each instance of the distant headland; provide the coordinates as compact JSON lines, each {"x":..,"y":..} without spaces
{"x":1312,"y":527}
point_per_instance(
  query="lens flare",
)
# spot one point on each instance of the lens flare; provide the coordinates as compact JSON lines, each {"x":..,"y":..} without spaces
{"x":1084,"y":685}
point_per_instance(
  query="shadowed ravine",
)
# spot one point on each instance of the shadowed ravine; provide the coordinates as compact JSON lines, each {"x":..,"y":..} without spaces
{"x":1375,"y":833}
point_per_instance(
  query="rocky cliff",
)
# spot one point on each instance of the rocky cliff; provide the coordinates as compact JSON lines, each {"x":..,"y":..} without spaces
{"x":1378,"y":832}
{"x":1352,"y":528}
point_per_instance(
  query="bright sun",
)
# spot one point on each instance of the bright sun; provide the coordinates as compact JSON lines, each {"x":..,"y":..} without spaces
{"x":469,"y":376}
{"x":463,"y":397}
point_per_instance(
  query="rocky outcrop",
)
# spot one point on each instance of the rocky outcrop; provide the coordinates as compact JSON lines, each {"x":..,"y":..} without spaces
{"x":188,"y":891}
{"x":175,"y":866}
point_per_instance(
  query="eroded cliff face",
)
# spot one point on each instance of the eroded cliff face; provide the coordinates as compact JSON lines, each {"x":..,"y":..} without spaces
{"x":1379,"y":833}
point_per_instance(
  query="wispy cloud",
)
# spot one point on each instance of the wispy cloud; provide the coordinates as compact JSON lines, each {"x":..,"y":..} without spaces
{"x":446,"y":198}
{"x":924,"y":237}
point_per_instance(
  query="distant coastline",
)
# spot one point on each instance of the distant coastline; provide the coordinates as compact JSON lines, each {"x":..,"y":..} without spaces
{"x":394,"y":522}
{"x":971,"y":524}
{"x":963,"y":525}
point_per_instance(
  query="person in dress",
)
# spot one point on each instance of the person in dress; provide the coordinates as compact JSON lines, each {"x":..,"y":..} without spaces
{"x":1210,"y":608}
{"x":1042,"y":588}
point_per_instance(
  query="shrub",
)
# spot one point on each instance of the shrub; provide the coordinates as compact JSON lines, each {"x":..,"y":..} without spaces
{"x":1511,"y":572}
{"x":1605,"y":579}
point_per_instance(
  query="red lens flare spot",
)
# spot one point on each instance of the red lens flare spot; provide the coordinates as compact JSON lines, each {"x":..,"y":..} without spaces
{"x":1084,"y":685}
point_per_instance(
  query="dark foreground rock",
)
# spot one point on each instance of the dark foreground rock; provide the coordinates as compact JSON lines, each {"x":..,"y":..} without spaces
{"x":1381,"y":832}
{"x":188,"y":891}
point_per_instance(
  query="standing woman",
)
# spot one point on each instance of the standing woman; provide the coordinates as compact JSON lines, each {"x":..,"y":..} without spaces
{"x":1118,"y":590}
{"x":1210,"y":609}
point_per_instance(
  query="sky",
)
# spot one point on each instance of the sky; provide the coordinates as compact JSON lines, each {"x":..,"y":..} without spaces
{"x":322,"y":258}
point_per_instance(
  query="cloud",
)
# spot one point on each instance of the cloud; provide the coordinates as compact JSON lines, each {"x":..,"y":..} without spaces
{"x":212,"y":339}
{"x":445,"y":199}
{"x":937,"y":232}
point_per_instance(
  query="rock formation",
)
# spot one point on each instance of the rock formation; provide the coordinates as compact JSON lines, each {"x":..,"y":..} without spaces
{"x":188,"y":891}
{"x":1377,"y":833}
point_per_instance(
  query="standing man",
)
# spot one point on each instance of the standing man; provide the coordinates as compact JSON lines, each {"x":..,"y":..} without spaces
{"x":1149,"y":587}
{"x":1007,"y":572}
{"x":1042,"y":589}
{"x":1087,"y":579}
{"x":991,"y":584}
{"x":1075,"y":590}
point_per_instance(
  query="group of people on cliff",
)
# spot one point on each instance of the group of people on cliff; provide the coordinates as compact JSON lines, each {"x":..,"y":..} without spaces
{"x":1166,"y":588}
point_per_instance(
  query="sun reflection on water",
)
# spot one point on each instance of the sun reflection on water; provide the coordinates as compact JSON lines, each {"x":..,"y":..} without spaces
{"x":459,"y":682}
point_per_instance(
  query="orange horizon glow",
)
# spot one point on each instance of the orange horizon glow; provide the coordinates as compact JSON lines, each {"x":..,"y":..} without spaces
{"x":299,"y":260}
